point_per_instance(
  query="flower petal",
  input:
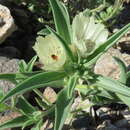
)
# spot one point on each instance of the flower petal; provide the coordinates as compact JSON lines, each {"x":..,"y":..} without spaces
{"x":101,"y":38}
{"x":50,"y":52}
{"x":87,"y":34}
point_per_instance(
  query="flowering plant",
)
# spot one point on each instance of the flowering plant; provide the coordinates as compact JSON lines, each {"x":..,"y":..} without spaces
{"x":67,"y":56}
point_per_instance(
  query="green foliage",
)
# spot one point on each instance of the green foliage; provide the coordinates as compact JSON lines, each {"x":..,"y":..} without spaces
{"x":66,"y":96}
{"x":17,"y":122}
{"x":3,"y":106}
{"x":77,"y":73}
{"x":106,"y":11}
{"x":61,"y":20}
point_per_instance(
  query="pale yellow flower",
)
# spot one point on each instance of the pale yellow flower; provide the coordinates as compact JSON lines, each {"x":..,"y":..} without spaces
{"x":50,"y":52}
{"x":87,"y":34}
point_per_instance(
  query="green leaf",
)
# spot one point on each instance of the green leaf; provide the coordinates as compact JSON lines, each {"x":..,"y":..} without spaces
{"x":3,"y":107}
{"x":91,"y":59}
{"x":85,"y":90}
{"x":61,"y":19}
{"x":123,"y":69}
{"x":122,"y":91}
{"x":14,"y":77}
{"x":1,"y":93}
{"x":110,"y":95}
{"x":125,"y":99}
{"x":22,"y":66}
{"x":38,"y":125}
{"x":112,"y":85}
{"x":128,"y":74}
{"x":25,"y":106}
{"x":64,"y":102}
{"x":64,"y":44}
{"x":62,"y":109}
{"x":44,"y":32}
{"x":123,"y":79}
{"x":27,"y":123}
{"x":41,"y":103}
{"x":72,"y":83}
{"x":36,"y":81}
{"x":17,"y":122}
{"x":128,"y":78}
{"x":31,"y":64}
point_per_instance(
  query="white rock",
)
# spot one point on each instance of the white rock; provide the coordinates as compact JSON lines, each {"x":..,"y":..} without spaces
{"x":107,"y":66}
{"x":7,"y":25}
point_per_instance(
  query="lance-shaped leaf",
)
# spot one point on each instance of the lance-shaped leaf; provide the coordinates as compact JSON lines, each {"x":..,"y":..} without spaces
{"x":24,"y":67}
{"x":38,"y":125}
{"x":3,"y":107}
{"x":64,"y":44}
{"x":25,"y":106}
{"x":36,"y":81}
{"x":125,"y":99}
{"x":64,"y":102}
{"x":14,"y":77}
{"x":104,"y":47}
{"x":31,"y":64}
{"x":128,"y":77}
{"x":123,"y":69}
{"x":112,"y":85}
{"x":120,"y":90}
{"x":61,"y":19}
{"x":123,"y":79}
{"x":17,"y":122}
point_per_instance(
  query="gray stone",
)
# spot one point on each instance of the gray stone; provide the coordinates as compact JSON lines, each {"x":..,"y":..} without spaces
{"x":107,"y":66}
{"x":121,"y":123}
{"x":10,"y":51}
{"x":126,"y":115}
{"x":7,"y":25}
{"x":7,"y":66}
{"x":106,"y":125}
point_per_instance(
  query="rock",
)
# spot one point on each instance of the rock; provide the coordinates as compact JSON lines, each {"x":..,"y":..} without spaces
{"x":9,"y":117}
{"x":106,"y":125}
{"x":107,"y":66}
{"x":10,"y":51}
{"x":124,"y":42}
{"x":76,"y":104}
{"x":7,"y":25}
{"x":84,"y":105}
{"x":7,"y":66}
{"x":126,"y":115}
{"x":47,"y":125}
{"x":121,"y":123}
{"x":103,"y":111}
{"x":81,"y":122}
{"x":50,"y":94}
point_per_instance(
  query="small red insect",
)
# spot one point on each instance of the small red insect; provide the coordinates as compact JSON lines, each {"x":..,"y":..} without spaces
{"x":54,"y":57}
